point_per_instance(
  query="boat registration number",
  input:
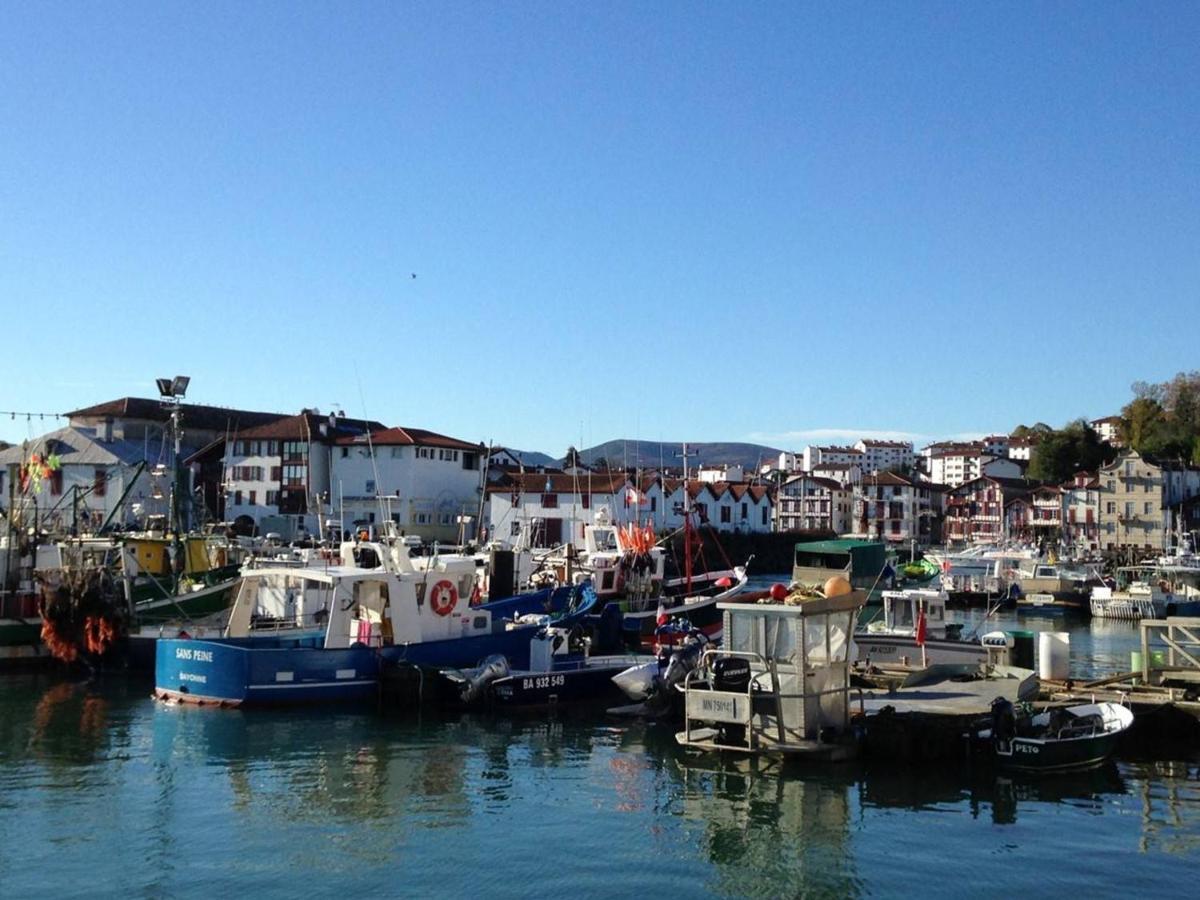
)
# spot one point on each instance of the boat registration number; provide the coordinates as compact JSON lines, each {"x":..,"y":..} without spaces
{"x":542,"y":681}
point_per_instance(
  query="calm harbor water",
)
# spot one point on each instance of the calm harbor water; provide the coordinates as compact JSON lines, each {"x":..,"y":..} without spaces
{"x":103,"y":791}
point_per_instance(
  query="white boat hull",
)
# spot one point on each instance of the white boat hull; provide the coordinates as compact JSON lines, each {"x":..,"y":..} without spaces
{"x":896,"y":648}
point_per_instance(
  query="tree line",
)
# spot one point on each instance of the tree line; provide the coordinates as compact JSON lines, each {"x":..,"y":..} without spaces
{"x":1162,"y":420}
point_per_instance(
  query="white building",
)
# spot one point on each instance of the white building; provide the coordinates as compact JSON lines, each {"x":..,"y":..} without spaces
{"x":885,"y":456}
{"x":788,"y":462}
{"x":1109,"y":429}
{"x":808,"y":502}
{"x":545,"y":509}
{"x":843,"y":473}
{"x":279,"y":471}
{"x":1021,"y":449}
{"x":815,"y":457}
{"x":889,"y":507}
{"x":714,"y":474}
{"x":426,"y":483}
{"x":958,"y":466}
{"x":94,"y":480}
{"x":1081,"y":511}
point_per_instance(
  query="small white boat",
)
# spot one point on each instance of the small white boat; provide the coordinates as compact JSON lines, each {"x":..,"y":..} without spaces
{"x":893,"y":638}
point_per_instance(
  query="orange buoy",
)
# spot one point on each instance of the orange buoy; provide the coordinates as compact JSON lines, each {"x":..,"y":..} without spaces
{"x":837,"y":586}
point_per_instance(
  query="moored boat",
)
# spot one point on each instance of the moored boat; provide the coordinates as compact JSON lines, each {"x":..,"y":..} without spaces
{"x":913,"y":628}
{"x":344,"y":626}
{"x":1057,"y":738}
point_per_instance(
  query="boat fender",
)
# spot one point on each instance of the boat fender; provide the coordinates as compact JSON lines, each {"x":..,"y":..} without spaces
{"x":443,"y":598}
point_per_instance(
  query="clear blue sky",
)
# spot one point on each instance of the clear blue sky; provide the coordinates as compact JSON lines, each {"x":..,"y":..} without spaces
{"x":670,"y":221}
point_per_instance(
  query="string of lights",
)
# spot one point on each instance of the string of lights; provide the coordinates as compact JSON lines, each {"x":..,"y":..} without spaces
{"x":29,"y":416}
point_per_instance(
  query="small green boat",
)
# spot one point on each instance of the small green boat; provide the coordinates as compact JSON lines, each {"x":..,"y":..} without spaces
{"x":919,"y":571}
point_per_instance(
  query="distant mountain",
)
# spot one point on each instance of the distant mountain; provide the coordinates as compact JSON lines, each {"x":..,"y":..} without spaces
{"x":652,"y":454}
{"x":533,"y":458}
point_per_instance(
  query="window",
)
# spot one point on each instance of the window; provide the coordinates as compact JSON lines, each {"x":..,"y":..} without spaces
{"x":276,"y":473}
{"x":549,"y":501}
{"x":99,"y":483}
{"x":653,"y":504}
{"x":272,"y":498}
{"x":725,"y":514}
{"x":237,"y":498}
{"x":745,"y":511}
{"x":370,"y":490}
{"x":254,"y":498}
{"x":764,"y":515}
{"x":345,"y":452}
{"x":1148,"y":507}
{"x":470,"y":461}
{"x":1128,"y":509}
{"x":272,"y":448}
{"x":397,"y":452}
{"x":516,"y":529}
{"x":56,"y":481}
{"x":447,"y":518}
{"x":585,"y":500}
{"x":1110,"y":507}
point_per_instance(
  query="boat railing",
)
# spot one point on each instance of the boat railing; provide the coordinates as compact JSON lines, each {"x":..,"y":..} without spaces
{"x":276,"y":624}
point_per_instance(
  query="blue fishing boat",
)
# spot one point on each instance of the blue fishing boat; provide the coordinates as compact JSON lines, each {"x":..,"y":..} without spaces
{"x":368,"y":619}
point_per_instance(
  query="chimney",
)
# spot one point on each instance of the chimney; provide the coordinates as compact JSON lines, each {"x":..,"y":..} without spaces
{"x":106,"y":431}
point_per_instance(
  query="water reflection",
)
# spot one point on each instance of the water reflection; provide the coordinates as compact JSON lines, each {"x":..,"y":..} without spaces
{"x":340,"y":801}
{"x":984,"y":791}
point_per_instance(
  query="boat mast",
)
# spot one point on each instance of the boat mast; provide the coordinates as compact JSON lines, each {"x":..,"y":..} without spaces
{"x":687,"y":522}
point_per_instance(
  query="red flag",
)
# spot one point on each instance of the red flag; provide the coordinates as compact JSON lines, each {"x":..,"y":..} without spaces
{"x":921,"y":627}
{"x":662,"y":613}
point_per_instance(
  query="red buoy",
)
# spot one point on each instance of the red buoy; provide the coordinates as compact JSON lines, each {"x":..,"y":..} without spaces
{"x":779,"y":592}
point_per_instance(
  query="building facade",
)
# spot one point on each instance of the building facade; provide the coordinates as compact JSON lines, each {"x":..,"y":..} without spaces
{"x":889,"y":507}
{"x":809,"y":502}
{"x":975,"y":510}
{"x":1136,"y":495}
{"x":885,"y":456}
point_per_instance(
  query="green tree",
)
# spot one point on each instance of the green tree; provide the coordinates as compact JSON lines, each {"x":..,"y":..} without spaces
{"x":1139,"y":419}
{"x":1060,"y":454}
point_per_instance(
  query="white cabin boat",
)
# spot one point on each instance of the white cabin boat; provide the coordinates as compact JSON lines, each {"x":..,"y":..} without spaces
{"x":893,"y":638}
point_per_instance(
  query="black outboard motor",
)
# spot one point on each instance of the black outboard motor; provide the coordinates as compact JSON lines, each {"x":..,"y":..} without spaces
{"x":731,"y":673}
{"x":1004,"y":725}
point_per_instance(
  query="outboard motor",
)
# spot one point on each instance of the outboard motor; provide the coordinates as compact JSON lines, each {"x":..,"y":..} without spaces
{"x":1004,"y":725}
{"x":473,"y":683}
{"x":731,"y":673}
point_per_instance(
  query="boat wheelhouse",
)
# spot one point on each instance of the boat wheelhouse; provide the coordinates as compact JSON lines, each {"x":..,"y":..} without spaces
{"x":893,"y":638}
{"x":862,"y":563}
{"x":307,"y":634}
{"x":781,"y":683}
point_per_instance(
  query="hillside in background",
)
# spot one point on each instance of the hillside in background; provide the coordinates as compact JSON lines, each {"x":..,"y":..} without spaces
{"x":533,"y":459}
{"x":652,"y":454}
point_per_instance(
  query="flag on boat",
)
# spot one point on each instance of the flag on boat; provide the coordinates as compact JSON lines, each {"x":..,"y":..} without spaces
{"x":661,"y":617}
{"x":921,"y":627}
{"x":631,"y":497}
{"x":888,"y":571}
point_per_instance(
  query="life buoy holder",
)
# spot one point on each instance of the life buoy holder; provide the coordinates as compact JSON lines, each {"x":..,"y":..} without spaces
{"x":443,"y":598}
